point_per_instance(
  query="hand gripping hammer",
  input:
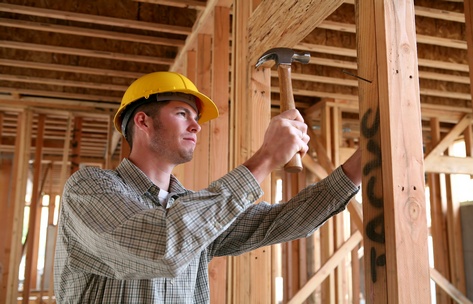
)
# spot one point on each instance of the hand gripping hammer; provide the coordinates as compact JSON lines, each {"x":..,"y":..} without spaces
{"x":283,"y":58}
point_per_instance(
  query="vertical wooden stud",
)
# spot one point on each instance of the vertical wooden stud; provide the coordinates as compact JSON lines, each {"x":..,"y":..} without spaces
{"x":201,"y":155}
{"x":19,"y":178}
{"x":65,"y":172}
{"x":187,"y":168}
{"x":292,"y":279}
{"x":76,"y":143}
{"x":6,"y":220}
{"x":110,"y":144}
{"x":405,"y":226}
{"x":438,"y":214}
{"x":240,"y":291}
{"x":468,"y":135}
{"x":396,"y":241}
{"x":370,"y":142}
{"x":468,"y":9}
{"x":327,"y":229}
{"x":219,"y":130}
{"x":31,"y":261}
{"x":455,"y":241}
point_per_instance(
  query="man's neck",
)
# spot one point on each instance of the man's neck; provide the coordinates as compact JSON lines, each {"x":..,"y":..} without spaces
{"x":158,"y":173}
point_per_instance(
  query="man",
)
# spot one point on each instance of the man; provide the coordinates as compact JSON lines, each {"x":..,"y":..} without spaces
{"x":136,"y":235}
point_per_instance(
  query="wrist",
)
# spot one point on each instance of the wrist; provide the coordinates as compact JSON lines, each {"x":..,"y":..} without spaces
{"x":259,"y":165}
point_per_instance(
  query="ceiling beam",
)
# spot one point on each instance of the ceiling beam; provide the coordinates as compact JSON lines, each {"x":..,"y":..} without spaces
{"x":63,"y":97}
{"x":320,"y":48}
{"x":63,"y":82}
{"x":71,"y":16}
{"x":88,"y":32}
{"x":285,"y":23}
{"x":84,"y":52}
{"x":68,"y":68}
{"x":424,"y":39}
{"x":198,"y":5}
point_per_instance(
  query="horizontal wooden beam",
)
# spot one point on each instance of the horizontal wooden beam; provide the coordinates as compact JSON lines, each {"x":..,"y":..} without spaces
{"x":71,"y":16}
{"x":425,"y":39}
{"x":68,"y":68}
{"x":63,"y":82}
{"x":198,"y":5}
{"x":84,"y":52}
{"x":449,"y":165}
{"x":320,"y":48}
{"x":434,"y":13}
{"x":60,"y":101}
{"x":88,"y":32}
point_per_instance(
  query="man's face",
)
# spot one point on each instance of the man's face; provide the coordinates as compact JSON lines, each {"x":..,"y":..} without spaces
{"x":175,"y":132}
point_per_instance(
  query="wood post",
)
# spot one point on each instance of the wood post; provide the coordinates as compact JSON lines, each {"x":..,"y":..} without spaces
{"x":455,"y":242}
{"x":187,"y":169}
{"x":395,"y":223}
{"x":203,"y":82}
{"x":19,"y":179}
{"x":438,"y":214}
{"x":468,"y":9}
{"x":327,"y":229}
{"x":219,"y":133}
{"x":293,"y":249}
{"x":6,"y":219}
{"x":31,"y":261}
{"x":76,"y":142}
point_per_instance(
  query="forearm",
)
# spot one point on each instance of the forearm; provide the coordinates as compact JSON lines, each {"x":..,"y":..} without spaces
{"x":352,"y":167}
{"x":265,"y":224}
{"x":259,"y":165}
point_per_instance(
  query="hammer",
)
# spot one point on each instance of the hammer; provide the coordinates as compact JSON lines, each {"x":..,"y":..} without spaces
{"x":283,"y":58}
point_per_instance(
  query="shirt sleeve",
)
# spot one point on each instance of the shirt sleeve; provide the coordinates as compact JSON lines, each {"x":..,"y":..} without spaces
{"x":110,"y":232}
{"x":264,"y":224}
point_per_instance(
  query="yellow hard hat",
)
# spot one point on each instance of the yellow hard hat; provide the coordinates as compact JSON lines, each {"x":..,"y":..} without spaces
{"x":164,"y":82}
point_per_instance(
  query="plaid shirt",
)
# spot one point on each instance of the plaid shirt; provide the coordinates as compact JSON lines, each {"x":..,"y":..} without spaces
{"x":117,"y":244}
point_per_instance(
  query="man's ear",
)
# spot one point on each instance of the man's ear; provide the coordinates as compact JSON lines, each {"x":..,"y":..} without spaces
{"x":142,"y":121}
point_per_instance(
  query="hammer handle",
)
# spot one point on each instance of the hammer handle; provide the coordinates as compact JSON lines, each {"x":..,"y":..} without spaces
{"x":287,"y":103}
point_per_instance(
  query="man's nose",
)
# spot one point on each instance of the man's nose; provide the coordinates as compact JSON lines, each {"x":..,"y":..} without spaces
{"x":195,"y":127}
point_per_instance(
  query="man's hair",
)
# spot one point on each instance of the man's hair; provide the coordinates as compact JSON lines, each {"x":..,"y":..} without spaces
{"x":151,"y":108}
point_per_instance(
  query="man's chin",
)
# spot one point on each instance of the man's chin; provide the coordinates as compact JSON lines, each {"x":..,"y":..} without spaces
{"x":187,"y":157}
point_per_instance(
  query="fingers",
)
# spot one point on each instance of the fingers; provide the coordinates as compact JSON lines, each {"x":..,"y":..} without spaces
{"x":292,"y":114}
{"x":295,"y":118}
{"x":289,"y":131}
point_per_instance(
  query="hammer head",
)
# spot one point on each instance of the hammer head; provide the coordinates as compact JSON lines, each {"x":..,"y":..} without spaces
{"x":282,"y":56}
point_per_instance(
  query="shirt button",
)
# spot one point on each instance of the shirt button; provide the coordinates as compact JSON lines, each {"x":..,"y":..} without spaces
{"x":250,"y":197}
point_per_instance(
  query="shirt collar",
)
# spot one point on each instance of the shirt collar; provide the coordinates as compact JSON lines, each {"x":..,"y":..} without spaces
{"x":136,"y":179}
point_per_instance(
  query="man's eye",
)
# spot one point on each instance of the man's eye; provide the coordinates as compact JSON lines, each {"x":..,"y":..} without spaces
{"x":182,"y":114}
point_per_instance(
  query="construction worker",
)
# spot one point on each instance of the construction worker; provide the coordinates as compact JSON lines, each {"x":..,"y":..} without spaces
{"x":136,"y":235}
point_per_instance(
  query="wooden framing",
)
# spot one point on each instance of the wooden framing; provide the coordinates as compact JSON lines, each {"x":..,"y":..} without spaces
{"x":219,"y":137}
{"x":32,"y":239}
{"x":403,"y":185}
{"x":17,"y":203}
